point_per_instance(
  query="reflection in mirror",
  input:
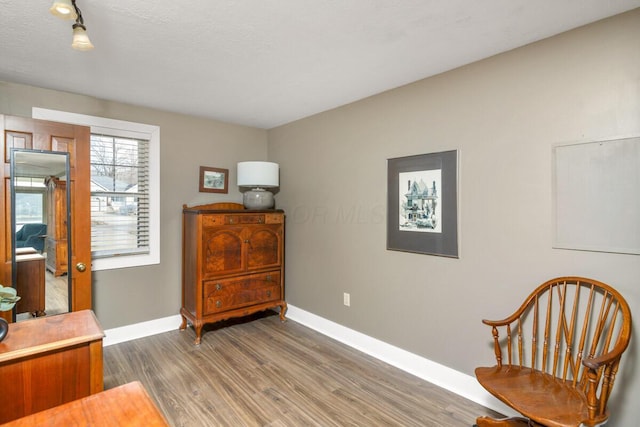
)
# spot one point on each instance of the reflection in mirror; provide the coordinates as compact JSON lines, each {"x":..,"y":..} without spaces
{"x":39,"y":195}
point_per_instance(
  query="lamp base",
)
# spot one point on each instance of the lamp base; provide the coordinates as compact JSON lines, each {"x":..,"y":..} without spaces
{"x":257,"y":198}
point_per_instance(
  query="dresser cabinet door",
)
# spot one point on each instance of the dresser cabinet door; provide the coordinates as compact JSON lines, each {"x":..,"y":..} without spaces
{"x":222,"y":249}
{"x":263,"y":246}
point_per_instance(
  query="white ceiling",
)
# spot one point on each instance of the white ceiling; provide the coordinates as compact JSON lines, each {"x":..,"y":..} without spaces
{"x":268,"y":62}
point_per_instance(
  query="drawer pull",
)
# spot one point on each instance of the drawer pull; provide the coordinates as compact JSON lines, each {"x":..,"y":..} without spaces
{"x":218,"y":304}
{"x":269,"y":278}
{"x":218,"y":286}
{"x":268,"y":294}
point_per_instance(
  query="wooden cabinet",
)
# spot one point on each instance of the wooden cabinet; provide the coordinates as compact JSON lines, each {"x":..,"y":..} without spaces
{"x":232,"y":264}
{"x":55,"y":244}
{"x":48,"y":361}
{"x":30,"y":283}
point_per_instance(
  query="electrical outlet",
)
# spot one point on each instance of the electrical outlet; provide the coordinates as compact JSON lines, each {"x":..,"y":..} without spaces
{"x":346,"y":299}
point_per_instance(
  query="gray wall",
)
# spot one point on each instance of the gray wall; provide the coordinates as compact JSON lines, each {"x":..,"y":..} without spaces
{"x":131,"y":295}
{"x":503,"y":114}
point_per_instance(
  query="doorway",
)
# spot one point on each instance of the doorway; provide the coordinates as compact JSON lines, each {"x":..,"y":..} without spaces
{"x":38,"y":136}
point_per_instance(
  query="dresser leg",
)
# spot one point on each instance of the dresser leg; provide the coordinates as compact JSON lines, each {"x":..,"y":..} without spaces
{"x":283,"y":311}
{"x":198,"y":329}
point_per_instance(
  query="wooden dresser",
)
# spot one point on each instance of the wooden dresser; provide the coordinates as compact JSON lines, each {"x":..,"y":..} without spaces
{"x":232,"y":263}
{"x":55,"y":244}
{"x":48,"y":361}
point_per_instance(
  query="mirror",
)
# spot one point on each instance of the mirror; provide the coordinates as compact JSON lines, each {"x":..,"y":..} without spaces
{"x":39,"y":230}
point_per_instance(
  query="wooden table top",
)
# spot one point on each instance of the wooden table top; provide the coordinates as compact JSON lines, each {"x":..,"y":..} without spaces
{"x":49,"y":333}
{"x":126,"y":405}
{"x":29,"y":257}
{"x":27,"y":250}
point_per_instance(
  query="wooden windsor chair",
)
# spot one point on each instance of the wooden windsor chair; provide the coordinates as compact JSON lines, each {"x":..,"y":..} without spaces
{"x":562,"y":348}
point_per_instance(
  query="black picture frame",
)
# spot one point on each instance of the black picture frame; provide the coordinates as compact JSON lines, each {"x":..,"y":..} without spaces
{"x":422,"y":204}
{"x":214,"y":180}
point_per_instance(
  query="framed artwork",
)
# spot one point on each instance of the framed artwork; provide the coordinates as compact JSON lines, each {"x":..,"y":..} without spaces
{"x":214,"y":180}
{"x":422,"y":204}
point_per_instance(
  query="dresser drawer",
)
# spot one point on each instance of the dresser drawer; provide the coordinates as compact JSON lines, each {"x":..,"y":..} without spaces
{"x":241,"y":219}
{"x":244,"y":219}
{"x":228,"y":294}
{"x":211,"y":220}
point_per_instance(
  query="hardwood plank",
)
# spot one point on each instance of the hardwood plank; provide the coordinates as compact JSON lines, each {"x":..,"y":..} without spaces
{"x":268,"y":373}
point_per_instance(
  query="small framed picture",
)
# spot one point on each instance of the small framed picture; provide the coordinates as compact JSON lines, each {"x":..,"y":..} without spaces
{"x":214,"y":180}
{"x":422,"y":204}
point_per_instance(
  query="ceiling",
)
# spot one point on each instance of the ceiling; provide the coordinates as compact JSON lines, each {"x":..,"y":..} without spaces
{"x":264,"y":63}
{"x":37,"y":164}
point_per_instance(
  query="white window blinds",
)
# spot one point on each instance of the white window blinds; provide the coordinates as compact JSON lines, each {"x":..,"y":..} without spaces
{"x":119,"y":196}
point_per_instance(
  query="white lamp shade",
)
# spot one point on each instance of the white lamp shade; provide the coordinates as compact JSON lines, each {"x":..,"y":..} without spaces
{"x":80,"y":39}
{"x":258,"y":174}
{"x":63,"y":9}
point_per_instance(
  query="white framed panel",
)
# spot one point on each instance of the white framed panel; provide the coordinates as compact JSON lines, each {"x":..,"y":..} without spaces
{"x":596,"y":196}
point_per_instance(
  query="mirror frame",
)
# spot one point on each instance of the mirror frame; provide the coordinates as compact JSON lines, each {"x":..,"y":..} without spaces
{"x":14,"y":269}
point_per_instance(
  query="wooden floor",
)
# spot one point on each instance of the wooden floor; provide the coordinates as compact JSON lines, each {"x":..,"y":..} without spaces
{"x":268,"y":373}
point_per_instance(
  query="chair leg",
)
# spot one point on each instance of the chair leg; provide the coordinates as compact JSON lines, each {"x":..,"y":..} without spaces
{"x":504,"y":422}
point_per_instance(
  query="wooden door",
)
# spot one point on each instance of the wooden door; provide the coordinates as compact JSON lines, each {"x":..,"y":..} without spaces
{"x":31,"y":134}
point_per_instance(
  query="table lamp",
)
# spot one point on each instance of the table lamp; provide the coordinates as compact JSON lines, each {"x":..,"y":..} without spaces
{"x":258,"y":176}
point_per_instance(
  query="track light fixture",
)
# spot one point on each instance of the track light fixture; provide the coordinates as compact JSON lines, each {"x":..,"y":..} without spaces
{"x":67,"y":9}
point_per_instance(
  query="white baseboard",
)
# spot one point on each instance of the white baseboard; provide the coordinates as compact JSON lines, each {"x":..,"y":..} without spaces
{"x":435,"y":373}
{"x":141,"y":330}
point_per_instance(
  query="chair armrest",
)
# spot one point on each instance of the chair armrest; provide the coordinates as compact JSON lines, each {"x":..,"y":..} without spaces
{"x":496,"y":323}
{"x":506,"y":321}
{"x":604,"y":359}
{"x":512,"y":318}
{"x":495,"y":331}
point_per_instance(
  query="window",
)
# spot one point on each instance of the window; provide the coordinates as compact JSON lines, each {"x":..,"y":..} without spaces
{"x":30,"y":196}
{"x":125,"y":181}
{"x":119,"y":196}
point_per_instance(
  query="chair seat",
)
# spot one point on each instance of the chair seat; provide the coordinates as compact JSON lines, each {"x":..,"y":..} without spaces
{"x":536,"y":395}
